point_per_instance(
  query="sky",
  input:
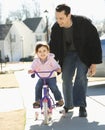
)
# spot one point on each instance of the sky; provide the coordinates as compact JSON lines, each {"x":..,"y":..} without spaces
{"x":92,"y":8}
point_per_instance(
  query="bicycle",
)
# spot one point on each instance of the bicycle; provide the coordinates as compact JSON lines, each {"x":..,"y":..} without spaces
{"x":46,"y":103}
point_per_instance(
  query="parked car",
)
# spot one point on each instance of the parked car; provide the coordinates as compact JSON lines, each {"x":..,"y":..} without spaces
{"x":27,"y":59}
{"x":2,"y":61}
{"x":100,"y":68}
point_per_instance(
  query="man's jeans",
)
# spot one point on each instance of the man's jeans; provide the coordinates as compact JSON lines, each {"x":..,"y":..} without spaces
{"x":74,"y":77}
{"x":51,"y":82}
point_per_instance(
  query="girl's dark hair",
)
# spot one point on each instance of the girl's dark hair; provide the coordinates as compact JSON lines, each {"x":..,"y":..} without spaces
{"x":63,"y":7}
{"x":40,"y":45}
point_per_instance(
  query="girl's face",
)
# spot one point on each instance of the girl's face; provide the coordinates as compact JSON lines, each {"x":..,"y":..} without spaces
{"x":42,"y":53}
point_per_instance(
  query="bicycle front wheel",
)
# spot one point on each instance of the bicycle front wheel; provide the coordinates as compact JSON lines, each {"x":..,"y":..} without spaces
{"x":46,"y":113}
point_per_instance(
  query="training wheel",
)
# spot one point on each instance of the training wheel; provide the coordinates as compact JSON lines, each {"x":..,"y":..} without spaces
{"x":36,"y":115}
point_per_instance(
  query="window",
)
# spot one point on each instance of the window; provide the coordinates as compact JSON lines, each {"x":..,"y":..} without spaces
{"x":38,"y":38}
{"x":12,"y":37}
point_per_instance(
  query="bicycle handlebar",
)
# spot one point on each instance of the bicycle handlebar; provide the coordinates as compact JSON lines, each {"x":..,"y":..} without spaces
{"x":49,"y":72}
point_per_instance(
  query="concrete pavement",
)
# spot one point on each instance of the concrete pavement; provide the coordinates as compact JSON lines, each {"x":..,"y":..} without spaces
{"x":10,"y":99}
{"x":95,"y":108}
{"x":23,"y":97}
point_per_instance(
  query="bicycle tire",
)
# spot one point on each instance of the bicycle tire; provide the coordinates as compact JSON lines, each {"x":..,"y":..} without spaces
{"x":46,"y":112}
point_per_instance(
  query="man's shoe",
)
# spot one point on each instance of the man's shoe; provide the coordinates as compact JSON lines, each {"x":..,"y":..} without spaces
{"x":65,"y":110}
{"x":82,"y":112}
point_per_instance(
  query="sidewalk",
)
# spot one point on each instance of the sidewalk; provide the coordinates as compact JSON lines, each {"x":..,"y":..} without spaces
{"x":12,"y":111}
{"x":9,"y":88}
{"x":23,"y":97}
{"x":95,"y":108}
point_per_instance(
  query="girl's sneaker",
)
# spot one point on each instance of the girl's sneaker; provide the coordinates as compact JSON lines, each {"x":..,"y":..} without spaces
{"x":60,"y":103}
{"x":36,"y":104}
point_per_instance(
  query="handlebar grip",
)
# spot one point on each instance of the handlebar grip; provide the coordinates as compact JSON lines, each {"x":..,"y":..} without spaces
{"x":32,"y":75}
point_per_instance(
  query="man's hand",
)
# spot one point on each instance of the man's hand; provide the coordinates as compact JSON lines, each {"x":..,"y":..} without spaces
{"x":92,"y":70}
{"x":59,"y":70}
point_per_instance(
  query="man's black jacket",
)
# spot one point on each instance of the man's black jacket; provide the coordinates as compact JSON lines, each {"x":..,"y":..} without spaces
{"x":86,"y":41}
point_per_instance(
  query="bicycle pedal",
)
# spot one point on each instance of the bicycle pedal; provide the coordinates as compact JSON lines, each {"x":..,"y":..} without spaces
{"x":50,"y":118}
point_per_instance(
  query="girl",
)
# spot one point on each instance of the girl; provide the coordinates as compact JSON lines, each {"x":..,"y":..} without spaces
{"x":45,"y":62}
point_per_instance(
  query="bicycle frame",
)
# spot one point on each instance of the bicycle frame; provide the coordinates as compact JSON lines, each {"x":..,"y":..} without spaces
{"x":47,"y":102}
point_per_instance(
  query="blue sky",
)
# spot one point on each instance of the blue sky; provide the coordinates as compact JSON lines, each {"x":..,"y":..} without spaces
{"x":92,"y":8}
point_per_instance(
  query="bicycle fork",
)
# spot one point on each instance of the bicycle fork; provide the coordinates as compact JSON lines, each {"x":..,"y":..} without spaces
{"x":46,"y":107}
{"x":46,"y":98}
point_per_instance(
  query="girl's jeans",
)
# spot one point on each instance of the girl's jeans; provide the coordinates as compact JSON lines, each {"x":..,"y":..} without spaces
{"x":74,"y":77}
{"x":51,"y":82}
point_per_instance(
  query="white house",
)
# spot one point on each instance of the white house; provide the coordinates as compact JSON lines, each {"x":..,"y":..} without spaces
{"x":19,"y":42}
{"x":20,"y":38}
{"x":38,"y":27}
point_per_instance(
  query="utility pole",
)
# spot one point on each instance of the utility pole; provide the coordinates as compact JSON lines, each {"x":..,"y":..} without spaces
{"x":47,"y":32}
{"x":0,"y":60}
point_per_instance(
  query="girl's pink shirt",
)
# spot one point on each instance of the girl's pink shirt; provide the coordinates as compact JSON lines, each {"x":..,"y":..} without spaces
{"x":49,"y":65}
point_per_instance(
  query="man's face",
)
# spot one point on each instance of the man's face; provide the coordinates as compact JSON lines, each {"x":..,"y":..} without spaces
{"x":62,"y":19}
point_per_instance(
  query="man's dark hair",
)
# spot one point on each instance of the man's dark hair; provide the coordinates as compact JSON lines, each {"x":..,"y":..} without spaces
{"x":63,"y":7}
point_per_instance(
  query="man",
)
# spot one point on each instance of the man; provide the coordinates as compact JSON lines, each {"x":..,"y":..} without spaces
{"x":76,"y":45}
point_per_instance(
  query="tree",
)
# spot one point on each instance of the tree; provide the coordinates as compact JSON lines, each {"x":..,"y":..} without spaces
{"x":8,"y":21}
{"x":0,"y":14}
{"x":17,"y":15}
{"x":36,"y":8}
{"x":25,"y":11}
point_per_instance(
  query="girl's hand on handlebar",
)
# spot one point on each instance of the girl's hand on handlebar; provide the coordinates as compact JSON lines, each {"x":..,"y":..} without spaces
{"x":30,"y":71}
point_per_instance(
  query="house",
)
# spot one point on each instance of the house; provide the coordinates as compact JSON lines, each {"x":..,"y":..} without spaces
{"x":18,"y":39}
{"x":38,"y":27}
{"x":4,"y":29}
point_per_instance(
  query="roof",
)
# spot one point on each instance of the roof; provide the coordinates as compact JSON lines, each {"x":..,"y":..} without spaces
{"x":4,"y":29}
{"x":32,"y":23}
